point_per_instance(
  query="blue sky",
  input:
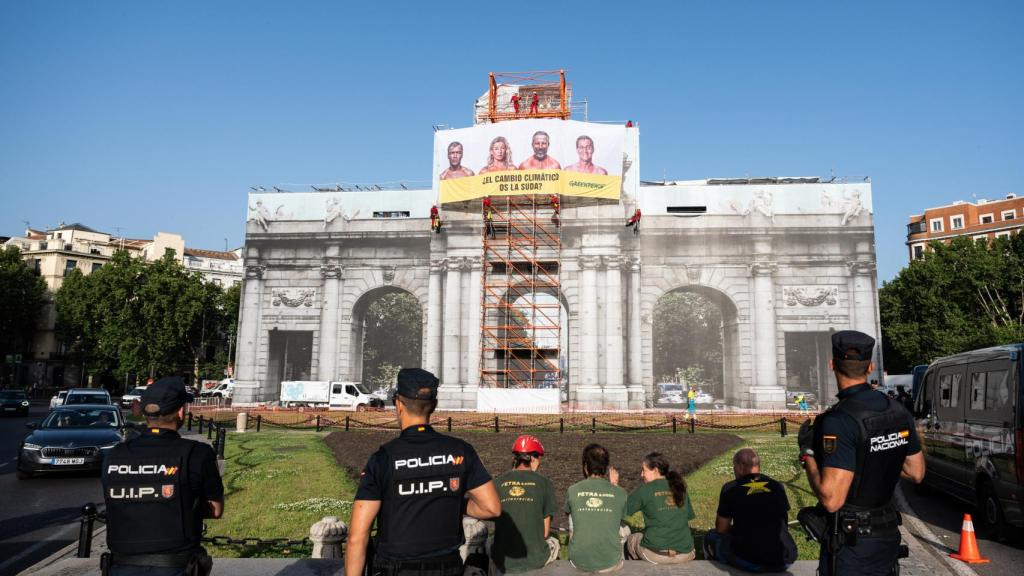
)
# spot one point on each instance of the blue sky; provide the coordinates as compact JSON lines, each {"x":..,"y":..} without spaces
{"x":158,"y":116}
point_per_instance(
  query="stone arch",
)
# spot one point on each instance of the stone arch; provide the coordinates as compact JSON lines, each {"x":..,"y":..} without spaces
{"x":562,"y":320}
{"x":359,"y":311}
{"x":731,"y":320}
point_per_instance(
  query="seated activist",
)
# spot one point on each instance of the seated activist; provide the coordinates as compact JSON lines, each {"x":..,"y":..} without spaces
{"x":596,"y":507}
{"x":665,"y":504}
{"x":751,"y":531}
{"x":522,"y":534}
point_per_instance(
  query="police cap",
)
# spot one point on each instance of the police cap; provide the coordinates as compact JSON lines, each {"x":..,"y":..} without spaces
{"x":165,"y":396}
{"x":416,"y":384}
{"x":852,"y":345}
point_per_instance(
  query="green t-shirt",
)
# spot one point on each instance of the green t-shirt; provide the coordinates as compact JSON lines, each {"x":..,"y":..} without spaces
{"x":526,"y":499}
{"x":666,"y":526}
{"x":597,"y":508}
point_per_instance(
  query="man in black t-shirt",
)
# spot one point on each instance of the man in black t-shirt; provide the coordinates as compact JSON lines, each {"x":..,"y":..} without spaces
{"x":417,"y":487}
{"x":751,"y":530}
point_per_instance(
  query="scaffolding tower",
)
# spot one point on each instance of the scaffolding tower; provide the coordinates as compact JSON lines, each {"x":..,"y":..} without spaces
{"x":521,"y":307}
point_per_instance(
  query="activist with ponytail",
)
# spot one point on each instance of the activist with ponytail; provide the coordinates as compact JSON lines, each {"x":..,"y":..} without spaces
{"x":665,"y":504}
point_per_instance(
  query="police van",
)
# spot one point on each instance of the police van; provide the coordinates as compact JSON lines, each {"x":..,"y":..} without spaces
{"x":970,"y":415}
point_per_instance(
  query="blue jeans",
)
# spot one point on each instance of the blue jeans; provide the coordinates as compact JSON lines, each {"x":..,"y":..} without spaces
{"x":720,"y":546}
{"x":870,"y":557}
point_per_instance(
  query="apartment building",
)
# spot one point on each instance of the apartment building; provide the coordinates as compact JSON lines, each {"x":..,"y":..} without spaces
{"x":981,"y":220}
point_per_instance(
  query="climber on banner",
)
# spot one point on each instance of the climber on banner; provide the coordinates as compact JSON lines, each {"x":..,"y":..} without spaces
{"x":634,"y":221}
{"x":488,"y":217}
{"x":556,"y":210}
{"x":435,"y":220}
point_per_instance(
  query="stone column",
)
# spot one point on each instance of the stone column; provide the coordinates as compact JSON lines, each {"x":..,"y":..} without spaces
{"x":452,"y":321}
{"x":473,"y":307}
{"x":246,"y":353}
{"x":863,"y":314}
{"x":765,"y":392}
{"x":635,"y":334}
{"x":329,"y":315}
{"x":432,"y":347}
{"x":613,"y":323}
{"x":588,"y":323}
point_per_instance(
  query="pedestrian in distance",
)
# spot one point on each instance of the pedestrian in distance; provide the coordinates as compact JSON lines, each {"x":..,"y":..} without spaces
{"x":665,"y":504}
{"x":596,"y":507}
{"x":417,"y":487}
{"x":158,"y":487}
{"x":752,"y":524}
{"x":854,"y":455}
{"x":522,"y":534}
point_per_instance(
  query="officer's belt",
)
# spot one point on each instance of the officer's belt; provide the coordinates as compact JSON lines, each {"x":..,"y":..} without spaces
{"x":438,"y":563}
{"x":179,"y":560}
{"x":877,"y":518}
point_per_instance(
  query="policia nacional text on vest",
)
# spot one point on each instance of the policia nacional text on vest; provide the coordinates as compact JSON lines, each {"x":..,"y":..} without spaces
{"x":881,"y":448}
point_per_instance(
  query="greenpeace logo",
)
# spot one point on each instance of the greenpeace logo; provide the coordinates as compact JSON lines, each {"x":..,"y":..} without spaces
{"x":143,"y":470}
{"x":437,"y":460}
{"x":890,"y":441}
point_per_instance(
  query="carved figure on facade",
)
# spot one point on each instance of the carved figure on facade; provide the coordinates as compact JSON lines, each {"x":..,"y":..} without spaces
{"x":809,"y":296}
{"x":333,"y":209}
{"x":255,"y":270}
{"x":763,"y":268}
{"x":389,"y":275}
{"x":331,"y":271}
{"x":850,"y":205}
{"x":861,"y":267}
{"x":260,"y":215}
{"x":760,"y":203}
{"x":302,"y":297}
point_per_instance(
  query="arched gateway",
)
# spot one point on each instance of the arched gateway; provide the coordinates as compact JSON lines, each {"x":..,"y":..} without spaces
{"x":786,"y":261}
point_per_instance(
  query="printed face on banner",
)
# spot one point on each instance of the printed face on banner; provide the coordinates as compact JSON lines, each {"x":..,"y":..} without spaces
{"x":529,"y":157}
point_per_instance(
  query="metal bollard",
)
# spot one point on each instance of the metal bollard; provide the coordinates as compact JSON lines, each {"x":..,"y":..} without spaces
{"x":222,"y":436}
{"x":561,"y":425}
{"x":259,"y":420}
{"x":209,"y":429}
{"x":693,"y":424}
{"x":449,"y":423}
{"x":85,"y":530}
{"x":346,"y":423}
{"x":189,"y":422}
{"x":673,"y":424}
{"x":200,"y":424}
{"x":593,"y":425}
{"x":782,"y":426}
{"x":496,"y":429}
{"x":317,"y":422}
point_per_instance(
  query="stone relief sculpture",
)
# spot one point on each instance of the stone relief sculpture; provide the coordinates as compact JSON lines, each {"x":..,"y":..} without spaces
{"x":260,"y":215}
{"x":302,"y":298}
{"x":810,"y":296}
{"x":761,"y":203}
{"x":851,"y":205}
{"x":333,"y":209}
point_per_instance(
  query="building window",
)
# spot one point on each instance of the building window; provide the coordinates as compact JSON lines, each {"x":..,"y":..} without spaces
{"x":1009,"y":214}
{"x":916,"y":228}
{"x":70,"y":265}
{"x":956,"y":222}
{"x":936,"y":224}
{"x":393,"y":214}
{"x":1004,"y":234}
{"x":981,"y":238}
{"x":918,"y":252}
{"x":96,"y":266}
{"x":37,"y":266}
{"x":987,"y":218}
{"x":218,"y":282}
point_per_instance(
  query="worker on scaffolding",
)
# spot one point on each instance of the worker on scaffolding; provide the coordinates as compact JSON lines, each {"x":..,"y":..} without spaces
{"x":634,"y":221}
{"x":488,"y":217}
{"x":535,"y":104}
{"x":435,"y":220}
{"x":556,"y":210}
{"x":515,"y":103}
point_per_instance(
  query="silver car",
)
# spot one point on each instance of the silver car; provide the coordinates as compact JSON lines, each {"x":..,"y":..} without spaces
{"x":70,"y":438}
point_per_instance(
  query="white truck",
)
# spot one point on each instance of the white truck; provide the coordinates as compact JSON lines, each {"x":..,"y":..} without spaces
{"x":330,"y":395}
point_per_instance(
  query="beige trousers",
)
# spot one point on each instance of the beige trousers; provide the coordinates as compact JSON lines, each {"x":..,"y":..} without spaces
{"x":637,"y":552}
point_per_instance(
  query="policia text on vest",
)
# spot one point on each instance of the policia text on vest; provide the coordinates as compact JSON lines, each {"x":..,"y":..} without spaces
{"x":417,"y":488}
{"x":158,"y":488}
{"x":854,"y":455}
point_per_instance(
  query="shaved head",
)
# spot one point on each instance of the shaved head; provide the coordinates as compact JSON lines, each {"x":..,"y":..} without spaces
{"x":746,"y":461}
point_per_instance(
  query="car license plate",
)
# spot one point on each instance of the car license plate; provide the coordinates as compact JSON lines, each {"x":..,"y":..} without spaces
{"x":66,"y":461}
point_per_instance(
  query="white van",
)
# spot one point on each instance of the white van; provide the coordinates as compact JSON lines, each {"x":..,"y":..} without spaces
{"x":330,"y":395}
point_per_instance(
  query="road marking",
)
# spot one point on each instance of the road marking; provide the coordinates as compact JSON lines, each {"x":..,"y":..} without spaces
{"x":4,"y":464}
{"x":33,"y":548}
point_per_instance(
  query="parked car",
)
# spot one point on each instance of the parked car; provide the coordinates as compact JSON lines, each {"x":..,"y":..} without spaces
{"x":134,"y":395}
{"x":58,"y":399}
{"x":70,"y":438}
{"x":222,"y":390}
{"x":87,"y":396}
{"x":970,"y":414}
{"x":14,"y":402}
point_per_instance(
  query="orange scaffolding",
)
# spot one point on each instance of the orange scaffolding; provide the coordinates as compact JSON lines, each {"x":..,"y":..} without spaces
{"x":521,"y":95}
{"x":521,"y":307}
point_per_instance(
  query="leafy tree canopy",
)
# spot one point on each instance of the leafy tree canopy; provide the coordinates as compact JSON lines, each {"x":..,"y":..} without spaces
{"x":22,"y":297}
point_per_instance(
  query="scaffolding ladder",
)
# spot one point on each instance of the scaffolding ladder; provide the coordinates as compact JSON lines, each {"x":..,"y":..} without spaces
{"x":521,"y":301}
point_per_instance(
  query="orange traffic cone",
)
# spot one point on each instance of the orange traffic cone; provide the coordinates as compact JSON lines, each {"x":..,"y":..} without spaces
{"x":968,"y":544}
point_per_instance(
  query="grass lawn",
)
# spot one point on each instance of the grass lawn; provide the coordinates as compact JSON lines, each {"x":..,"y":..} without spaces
{"x":277,"y":484}
{"x":778,"y":460}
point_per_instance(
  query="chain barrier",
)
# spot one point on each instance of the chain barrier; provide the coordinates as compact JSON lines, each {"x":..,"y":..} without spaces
{"x":256,"y":542}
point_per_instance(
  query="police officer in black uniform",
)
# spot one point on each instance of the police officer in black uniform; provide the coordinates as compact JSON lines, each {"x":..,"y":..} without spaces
{"x":418,"y":487}
{"x":854,"y":455}
{"x":158,"y":487}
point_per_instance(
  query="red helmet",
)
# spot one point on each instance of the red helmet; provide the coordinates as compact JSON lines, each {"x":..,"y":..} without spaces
{"x":527,"y":444}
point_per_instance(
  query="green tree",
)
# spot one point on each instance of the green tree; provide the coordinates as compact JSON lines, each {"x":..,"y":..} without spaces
{"x":688,"y":339}
{"x":22,"y":297}
{"x":959,"y":297}
{"x":392,"y":336}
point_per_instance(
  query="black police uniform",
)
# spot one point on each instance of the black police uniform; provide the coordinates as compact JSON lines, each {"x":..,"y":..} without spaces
{"x":421,"y":479}
{"x":156,"y":488}
{"x":871,"y":435}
